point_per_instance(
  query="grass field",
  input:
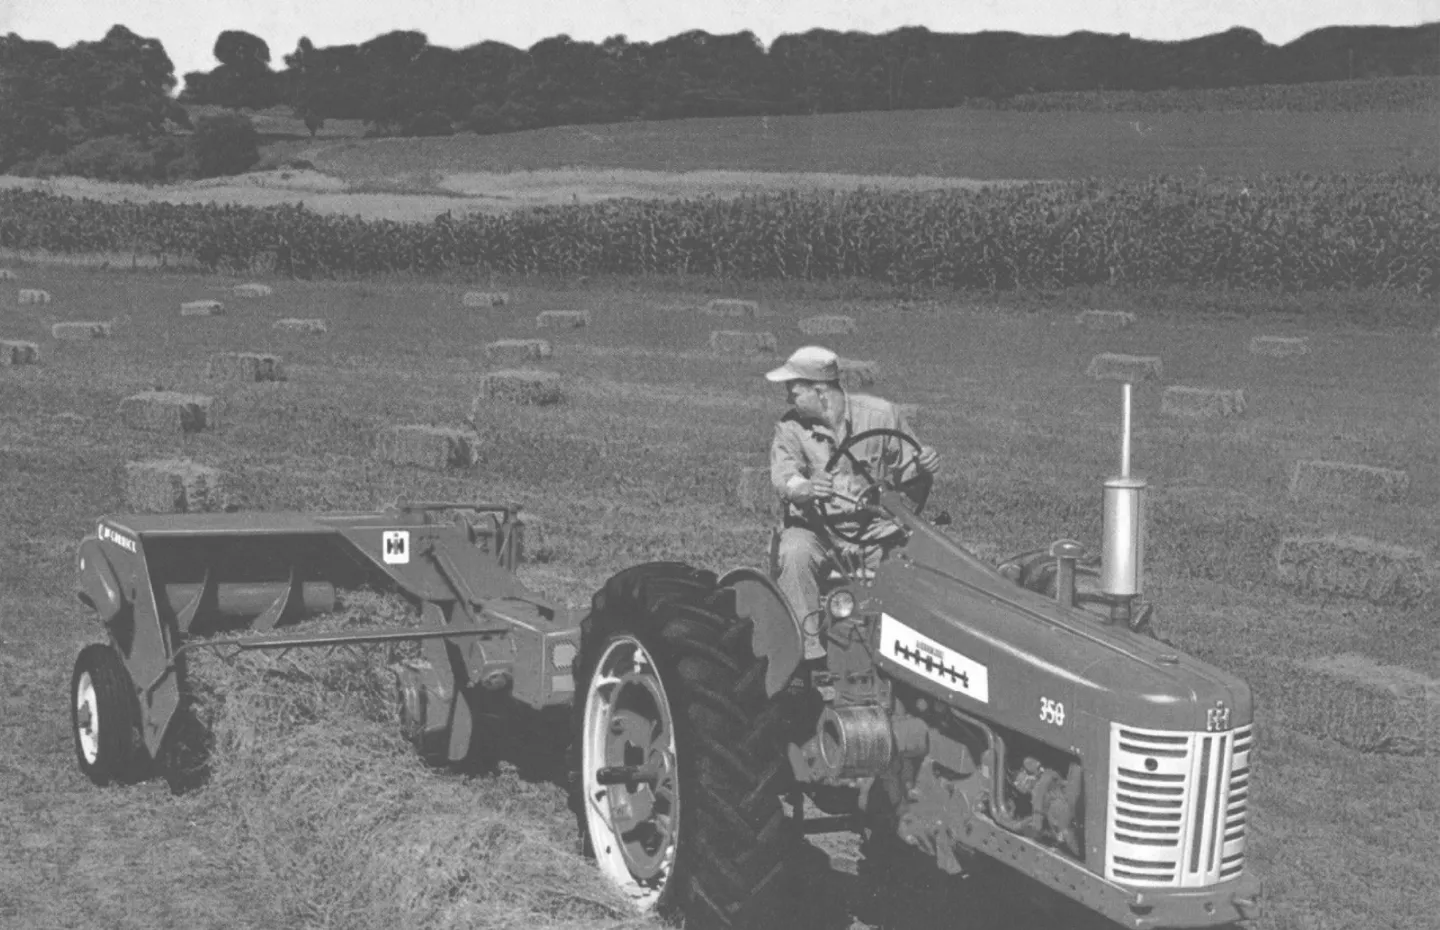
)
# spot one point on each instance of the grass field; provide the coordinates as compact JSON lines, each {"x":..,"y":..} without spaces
{"x":315,"y":815}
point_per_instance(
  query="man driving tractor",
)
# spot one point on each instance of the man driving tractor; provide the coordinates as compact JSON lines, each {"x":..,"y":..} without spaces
{"x":824,"y":520}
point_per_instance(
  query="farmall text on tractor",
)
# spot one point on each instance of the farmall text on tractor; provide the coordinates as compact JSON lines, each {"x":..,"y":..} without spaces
{"x":1008,"y":715}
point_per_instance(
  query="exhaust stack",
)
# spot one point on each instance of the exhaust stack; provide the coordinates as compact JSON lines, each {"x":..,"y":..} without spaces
{"x":1123,"y":552}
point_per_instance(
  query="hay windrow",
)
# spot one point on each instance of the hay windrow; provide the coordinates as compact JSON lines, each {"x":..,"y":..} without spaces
{"x":828,"y":325}
{"x":434,"y":447}
{"x":562,"y":319}
{"x":735,"y":342}
{"x":1353,"y":566}
{"x":245,"y":366}
{"x":16,"y":352}
{"x":1115,"y":366}
{"x":176,"y":486}
{"x":169,"y":411}
{"x":81,"y":330}
{"x":1325,"y":480}
{"x":1105,"y":320}
{"x":1201,"y":403}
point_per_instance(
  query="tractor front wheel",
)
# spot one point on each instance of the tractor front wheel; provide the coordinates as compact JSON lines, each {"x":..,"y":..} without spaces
{"x":679,"y":753}
{"x":104,"y":716}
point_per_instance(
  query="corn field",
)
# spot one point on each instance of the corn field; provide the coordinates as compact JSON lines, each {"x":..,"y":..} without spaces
{"x":1290,"y":233}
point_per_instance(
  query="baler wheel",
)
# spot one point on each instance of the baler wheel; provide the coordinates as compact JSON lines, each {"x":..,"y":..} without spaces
{"x":104,"y":716}
{"x":678,"y":751}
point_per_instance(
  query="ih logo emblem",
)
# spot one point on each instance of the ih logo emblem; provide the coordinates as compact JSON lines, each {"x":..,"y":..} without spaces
{"x":1218,"y":717}
{"x":395,"y":545}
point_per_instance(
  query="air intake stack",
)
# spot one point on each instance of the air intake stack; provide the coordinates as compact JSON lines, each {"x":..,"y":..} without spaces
{"x":1123,"y":552}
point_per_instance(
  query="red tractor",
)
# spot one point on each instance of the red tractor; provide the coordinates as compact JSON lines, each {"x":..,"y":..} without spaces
{"x":964,"y":711}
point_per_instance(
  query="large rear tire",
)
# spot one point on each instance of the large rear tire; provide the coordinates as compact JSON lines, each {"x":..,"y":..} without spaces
{"x":678,"y":750}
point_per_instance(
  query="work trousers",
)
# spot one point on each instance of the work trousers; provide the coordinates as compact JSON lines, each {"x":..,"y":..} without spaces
{"x":803,"y":561}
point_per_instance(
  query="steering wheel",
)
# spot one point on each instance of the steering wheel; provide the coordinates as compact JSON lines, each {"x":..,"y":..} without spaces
{"x":872,"y":488}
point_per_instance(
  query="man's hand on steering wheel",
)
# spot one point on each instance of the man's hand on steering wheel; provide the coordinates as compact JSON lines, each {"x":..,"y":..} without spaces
{"x":867,"y":500}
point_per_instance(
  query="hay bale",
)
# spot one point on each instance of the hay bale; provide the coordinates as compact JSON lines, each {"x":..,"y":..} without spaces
{"x":1317,"y":478}
{"x":202,"y":308}
{"x":77,"y":330}
{"x":245,"y":366}
{"x":485,"y":299}
{"x":1358,"y":702}
{"x":252,"y":290}
{"x":857,"y":373}
{"x":562,"y":319}
{"x":30,"y":295}
{"x":15,"y":352}
{"x":734,"y":342}
{"x":1279,"y":346}
{"x":175,"y":486}
{"x":1105,"y":321}
{"x":521,"y":386}
{"x":168,"y":411}
{"x":732,"y":307}
{"x":1352,"y":566}
{"x":1113,"y":366}
{"x":755,"y":493}
{"x":294,"y":325}
{"x":828,"y":325}
{"x":437,"y":447}
{"x":533,"y":541}
{"x":1180,"y":401}
{"x":512,"y":351}
{"x":7,"y":275}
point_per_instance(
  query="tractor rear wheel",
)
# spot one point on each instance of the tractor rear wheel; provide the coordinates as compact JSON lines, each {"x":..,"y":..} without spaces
{"x":678,"y":750}
{"x":104,"y":716}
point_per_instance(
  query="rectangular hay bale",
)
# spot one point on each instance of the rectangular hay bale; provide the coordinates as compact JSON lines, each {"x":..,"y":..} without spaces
{"x":1355,"y":701}
{"x":833,"y":324}
{"x":1105,"y":320}
{"x":176,"y":486}
{"x":732,"y":307}
{"x":7,"y":275}
{"x":1114,"y":366}
{"x":15,"y":352}
{"x":435,"y":447}
{"x":735,"y":342}
{"x":169,"y":411}
{"x":202,"y":308}
{"x":1322,"y":479}
{"x":1178,"y":401}
{"x":562,"y":319}
{"x":1352,"y":566}
{"x":521,"y":386}
{"x":510,"y":351}
{"x":81,"y":330}
{"x":485,"y":299}
{"x":245,"y":366}
{"x":253,"y":290}
{"x":31,"y":295}
{"x":296,"y":325}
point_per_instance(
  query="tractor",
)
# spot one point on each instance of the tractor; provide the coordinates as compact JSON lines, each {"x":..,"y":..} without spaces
{"x":1021,"y":715}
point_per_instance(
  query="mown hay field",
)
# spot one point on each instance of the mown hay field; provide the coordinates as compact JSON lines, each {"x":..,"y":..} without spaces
{"x":315,"y":814}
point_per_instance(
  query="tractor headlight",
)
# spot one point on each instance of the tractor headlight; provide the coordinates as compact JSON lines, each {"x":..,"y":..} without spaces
{"x":840,"y":604}
{"x":563,"y":656}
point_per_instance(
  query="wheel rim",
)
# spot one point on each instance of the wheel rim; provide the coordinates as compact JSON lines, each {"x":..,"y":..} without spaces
{"x":87,"y":718}
{"x":628,"y":725}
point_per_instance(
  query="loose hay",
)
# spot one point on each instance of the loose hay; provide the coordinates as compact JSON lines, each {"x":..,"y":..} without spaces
{"x":1279,"y":346}
{"x":856,"y":373}
{"x":521,"y":386}
{"x":30,"y":295}
{"x":1358,"y":702}
{"x":755,"y":493}
{"x":1112,"y":366}
{"x":734,"y":342}
{"x":828,"y":325}
{"x":1105,"y":320}
{"x":76,"y":330}
{"x":1180,"y":401}
{"x":1316,"y":478}
{"x":729,"y":306}
{"x":202,"y":308}
{"x":15,"y":352}
{"x":511,"y":351}
{"x":245,"y":366}
{"x":294,"y":325}
{"x":253,"y":290}
{"x":1352,"y":566}
{"x":485,"y":299}
{"x":175,"y":486}
{"x":436,"y":447}
{"x":562,"y":319}
{"x":168,"y":411}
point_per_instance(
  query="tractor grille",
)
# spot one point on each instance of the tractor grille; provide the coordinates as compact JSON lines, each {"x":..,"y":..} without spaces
{"x":1178,"y":806}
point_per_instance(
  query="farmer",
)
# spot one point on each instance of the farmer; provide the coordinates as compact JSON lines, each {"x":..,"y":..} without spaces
{"x":823,"y":415}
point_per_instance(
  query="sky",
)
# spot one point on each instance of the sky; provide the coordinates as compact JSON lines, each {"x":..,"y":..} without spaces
{"x":188,"y":28}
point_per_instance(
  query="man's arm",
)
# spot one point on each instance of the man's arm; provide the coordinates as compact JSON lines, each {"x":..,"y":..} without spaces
{"x":790,"y":472}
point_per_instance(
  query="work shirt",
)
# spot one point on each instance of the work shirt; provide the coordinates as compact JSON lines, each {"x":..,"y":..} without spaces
{"x":802,"y":445}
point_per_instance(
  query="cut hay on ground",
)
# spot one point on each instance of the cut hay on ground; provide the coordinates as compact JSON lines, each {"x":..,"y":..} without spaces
{"x":729,"y":306}
{"x":754,"y":492}
{"x":296,"y":325}
{"x":1357,"y":702}
{"x":78,"y":330}
{"x":175,"y":486}
{"x":1113,"y":366}
{"x":169,"y":411}
{"x":828,"y":325}
{"x":1332,"y":480}
{"x":858,"y":373}
{"x":1105,"y":320}
{"x":15,"y":352}
{"x":562,"y":319}
{"x":253,"y":290}
{"x":245,"y":366}
{"x":1279,"y":346}
{"x":436,"y":447}
{"x":485,"y":299}
{"x":202,"y":308}
{"x":30,"y":295}
{"x":1180,"y":401}
{"x":521,"y":386}
{"x":735,"y":342}
{"x":1352,"y":566}
{"x":515,"y":351}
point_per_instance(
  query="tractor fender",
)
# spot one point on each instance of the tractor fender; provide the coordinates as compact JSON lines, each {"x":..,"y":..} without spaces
{"x":776,"y":633}
{"x":98,"y":588}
